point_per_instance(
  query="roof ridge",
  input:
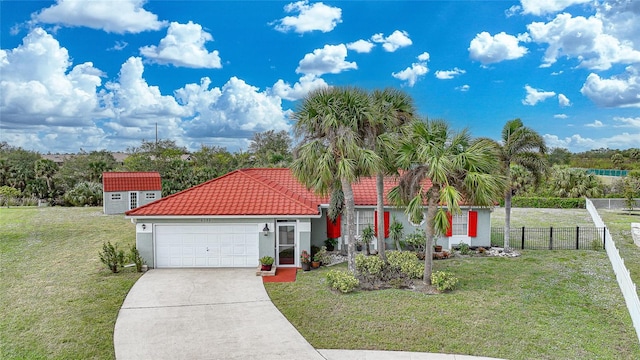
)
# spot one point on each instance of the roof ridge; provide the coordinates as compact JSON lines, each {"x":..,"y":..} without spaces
{"x":299,"y":198}
{"x":193,"y":188}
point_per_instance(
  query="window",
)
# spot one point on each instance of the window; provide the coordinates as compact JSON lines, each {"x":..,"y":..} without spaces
{"x":116,"y":197}
{"x":459,"y":224}
{"x":149,"y":196}
{"x":364,"y":218}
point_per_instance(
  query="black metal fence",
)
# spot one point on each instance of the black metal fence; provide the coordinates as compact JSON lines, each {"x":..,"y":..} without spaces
{"x":559,"y":238}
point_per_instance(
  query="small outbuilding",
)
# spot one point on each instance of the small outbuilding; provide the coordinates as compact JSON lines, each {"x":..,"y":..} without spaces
{"x":123,"y":191}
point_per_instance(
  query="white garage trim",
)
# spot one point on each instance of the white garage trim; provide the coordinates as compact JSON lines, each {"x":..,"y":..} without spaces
{"x":206,"y":245}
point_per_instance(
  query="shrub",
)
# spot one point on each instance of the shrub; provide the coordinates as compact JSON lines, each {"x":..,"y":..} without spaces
{"x":84,"y":194}
{"x":407,"y":263}
{"x":342,"y":281}
{"x":464,"y":249}
{"x":369,"y":265}
{"x":112,"y":256}
{"x":134,"y":256}
{"x":418,"y":240}
{"x":322,"y":256}
{"x":443,"y":281}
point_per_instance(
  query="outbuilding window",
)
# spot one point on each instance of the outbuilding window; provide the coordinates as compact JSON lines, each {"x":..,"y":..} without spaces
{"x":116,"y":197}
{"x":150,"y":196}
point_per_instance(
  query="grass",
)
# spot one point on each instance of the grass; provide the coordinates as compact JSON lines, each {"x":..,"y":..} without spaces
{"x":59,"y":301}
{"x":542,"y":305}
{"x":619,"y":224}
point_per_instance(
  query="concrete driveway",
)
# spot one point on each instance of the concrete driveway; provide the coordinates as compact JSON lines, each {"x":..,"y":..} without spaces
{"x":204,"y":314}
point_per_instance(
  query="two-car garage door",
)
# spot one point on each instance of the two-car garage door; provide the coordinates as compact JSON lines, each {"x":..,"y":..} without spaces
{"x":210,"y":245}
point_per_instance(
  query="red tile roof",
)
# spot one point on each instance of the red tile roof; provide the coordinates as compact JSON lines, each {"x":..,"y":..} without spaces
{"x":131,"y":181}
{"x":253,"y":192}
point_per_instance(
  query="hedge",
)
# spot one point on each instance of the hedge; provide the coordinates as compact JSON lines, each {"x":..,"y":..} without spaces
{"x":549,"y":203}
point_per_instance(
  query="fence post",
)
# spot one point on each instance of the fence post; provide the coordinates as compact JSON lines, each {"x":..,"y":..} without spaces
{"x":522,"y":236}
{"x":551,"y":238}
{"x":604,"y":238}
{"x":577,"y":237}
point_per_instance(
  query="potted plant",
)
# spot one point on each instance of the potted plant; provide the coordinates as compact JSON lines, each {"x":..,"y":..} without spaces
{"x":319,"y":257}
{"x":266,"y":262}
{"x":436,"y":247}
{"x":331,"y":244}
{"x":305,"y":260}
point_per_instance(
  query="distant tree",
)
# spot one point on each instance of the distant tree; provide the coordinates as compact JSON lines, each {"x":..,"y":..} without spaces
{"x":84,"y":194}
{"x":46,"y":169}
{"x":617,"y":159}
{"x":559,"y":156}
{"x":210,"y":162}
{"x":573,"y":183}
{"x":271,"y":149}
{"x":84,"y":167}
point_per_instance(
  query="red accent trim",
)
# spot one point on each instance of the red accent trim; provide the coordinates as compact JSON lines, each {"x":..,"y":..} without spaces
{"x":386,"y":223}
{"x":450,"y":228}
{"x":333,"y":228}
{"x":473,"y":223}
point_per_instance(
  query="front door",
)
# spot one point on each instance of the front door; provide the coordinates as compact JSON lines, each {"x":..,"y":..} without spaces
{"x":286,"y":244}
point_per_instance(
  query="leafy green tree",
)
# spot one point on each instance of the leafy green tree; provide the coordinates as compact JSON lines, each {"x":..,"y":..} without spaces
{"x":443,"y":168}
{"x":271,"y":149}
{"x":521,"y":146}
{"x":46,"y":169}
{"x":559,"y":156}
{"x":573,"y":183}
{"x":84,"y":167}
{"x":8,"y":195}
{"x":391,"y":110}
{"x":329,"y":122}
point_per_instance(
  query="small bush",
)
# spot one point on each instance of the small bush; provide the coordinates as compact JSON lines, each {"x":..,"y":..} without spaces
{"x":134,"y":257}
{"x":417,"y":239}
{"x":443,"y":281}
{"x":406,"y":262}
{"x":112,"y":256}
{"x":342,"y":281}
{"x":464,"y":249}
{"x":369,"y":265}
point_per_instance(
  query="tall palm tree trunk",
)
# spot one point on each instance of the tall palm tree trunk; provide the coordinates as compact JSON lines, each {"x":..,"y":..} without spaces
{"x":380,"y":215}
{"x":350,"y":207}
{"x":507,"y":209}
{"x":432,"y":207}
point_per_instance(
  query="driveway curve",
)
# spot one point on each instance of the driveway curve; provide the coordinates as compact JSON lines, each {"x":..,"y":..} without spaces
{"x":204,"y":314}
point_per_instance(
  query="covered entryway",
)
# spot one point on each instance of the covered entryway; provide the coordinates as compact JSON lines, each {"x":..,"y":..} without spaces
{"x":206,"y":245}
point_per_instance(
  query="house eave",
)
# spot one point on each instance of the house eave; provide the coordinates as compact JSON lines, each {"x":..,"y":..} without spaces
{"x":192,"y":217}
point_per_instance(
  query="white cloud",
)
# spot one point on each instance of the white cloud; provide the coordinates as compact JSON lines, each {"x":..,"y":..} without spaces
{"x":360,"y":46}
{"x":317,"y":16}
{"x":463,"y":88}
{"x":394,"y":41}
{"x":543,"y":7}
{"x":595,"y":124}
{"x":184,"y":46}
{"x":563,"y":100}
{"x":621,"y":19}
{"x":127,"y":16}
{"x":413,"y":73}
{"x":560,"y":116}
{"x":449,"y":74}
{"x":39,"y":87}
{"x":628,"y":122}
{"x":577,"y":143}
{"x":119,"y":45}
{"x":300,"y":89}
{"x":535,"y":96}
{"x":136,"y":103}
{"x":236,"y":110}
{"x":581,"y":38}
{"x":617,"y":91}
{"x":328,"y":60}
{"x":492,"y":49}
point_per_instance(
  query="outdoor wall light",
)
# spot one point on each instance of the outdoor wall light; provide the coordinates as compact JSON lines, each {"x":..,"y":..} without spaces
{"x":144,"y":226}
{"x":265,"y":231}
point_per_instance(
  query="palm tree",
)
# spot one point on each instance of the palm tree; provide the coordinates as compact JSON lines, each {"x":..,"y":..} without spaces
{"x":391,"y":109}
{"x":444,"y":168}
{"x":329,"y":121}
{"x":522,"y":146}
{"x":46,"y":169}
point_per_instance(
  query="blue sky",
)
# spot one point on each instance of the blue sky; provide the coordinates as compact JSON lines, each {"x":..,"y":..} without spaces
{"x":96,"y":75}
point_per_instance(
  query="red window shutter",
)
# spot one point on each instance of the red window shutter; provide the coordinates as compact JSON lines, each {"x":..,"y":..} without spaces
{"x":473,"y":223}
{"x":386,"y":224}
{"x":333,"y":228}
{"x":375,"y":223}
{"x":450,"y":228}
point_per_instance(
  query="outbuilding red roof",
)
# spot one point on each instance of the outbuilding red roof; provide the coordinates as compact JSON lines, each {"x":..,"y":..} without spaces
{"x":131,"y":181}
{"x":253,"y":192}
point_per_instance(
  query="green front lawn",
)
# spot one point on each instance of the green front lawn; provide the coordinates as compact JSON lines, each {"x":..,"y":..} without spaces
{"x":58,"y":300}
{"x":543,"y":305}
